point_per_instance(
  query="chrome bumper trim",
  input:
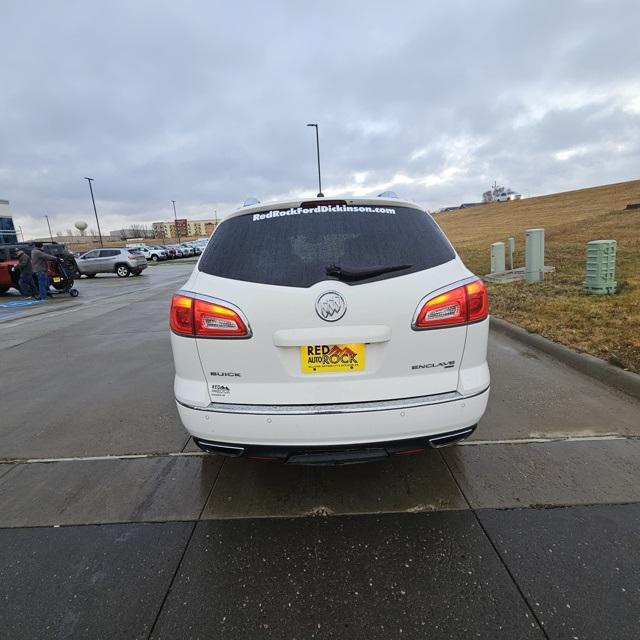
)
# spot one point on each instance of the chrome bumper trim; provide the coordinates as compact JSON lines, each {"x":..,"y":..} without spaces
{"x":327,"y":409}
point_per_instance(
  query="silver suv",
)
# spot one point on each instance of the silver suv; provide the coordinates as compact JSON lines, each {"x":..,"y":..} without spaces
{"x":122,"y":262}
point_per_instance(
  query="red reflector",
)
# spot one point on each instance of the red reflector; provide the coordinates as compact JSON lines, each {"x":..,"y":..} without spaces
{"x":181,"y":315}
{"x":478,"y":301}
{"x":461,"y":305}
{"x":194,"y":317}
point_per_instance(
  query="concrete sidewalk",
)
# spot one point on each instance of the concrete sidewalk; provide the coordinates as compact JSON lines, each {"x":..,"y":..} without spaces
{"x":198,"y":546}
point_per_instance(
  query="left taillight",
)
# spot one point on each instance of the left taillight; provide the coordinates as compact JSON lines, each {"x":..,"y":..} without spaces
{"x":461,"y":305}
{"x":181,"y":315}
{"x":201,"y":318}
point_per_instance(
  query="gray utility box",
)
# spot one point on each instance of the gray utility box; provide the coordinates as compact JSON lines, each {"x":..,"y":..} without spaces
{"x":534,"y":255}
{"x":511,"y":243}
{"x":601,"y":267}
{"x":497,"y":257}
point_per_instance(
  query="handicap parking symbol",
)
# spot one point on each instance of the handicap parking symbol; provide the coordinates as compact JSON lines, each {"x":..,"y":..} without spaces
{"x":14,"y":304}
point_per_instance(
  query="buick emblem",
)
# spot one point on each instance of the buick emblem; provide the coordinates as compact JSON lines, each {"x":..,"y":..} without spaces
{"x":330,"y":306}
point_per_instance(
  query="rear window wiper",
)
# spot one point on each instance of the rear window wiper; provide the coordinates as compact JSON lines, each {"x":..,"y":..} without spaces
{"x":351,"y":275}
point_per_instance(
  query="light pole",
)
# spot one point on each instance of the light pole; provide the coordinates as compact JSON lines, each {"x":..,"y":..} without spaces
{"x":21,"y":232}
{"x":90,"y":180}
{"x":320,"y":194}
{"x":48,"y":225}
{"x":175,"y":217}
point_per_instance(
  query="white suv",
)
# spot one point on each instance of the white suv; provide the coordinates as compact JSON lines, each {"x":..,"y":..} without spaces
{"x":330,"y":331}
{"x":505,"y":196}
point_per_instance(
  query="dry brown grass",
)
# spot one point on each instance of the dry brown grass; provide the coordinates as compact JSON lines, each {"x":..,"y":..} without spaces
{"x":606,"y":326}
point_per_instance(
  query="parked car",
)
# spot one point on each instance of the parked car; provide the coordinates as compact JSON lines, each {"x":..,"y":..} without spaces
{"x":171,"y":252}
{"x":505,"y":196}
{"x":187,"y":250}
{"x":178,"y":249}
{"x":121,"y":261}
{"x":154,"y":253}
{"x":330,"y":331}
{"x":194,"y":248}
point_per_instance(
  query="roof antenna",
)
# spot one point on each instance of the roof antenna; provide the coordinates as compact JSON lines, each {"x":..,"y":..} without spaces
{"x":320,"y":194}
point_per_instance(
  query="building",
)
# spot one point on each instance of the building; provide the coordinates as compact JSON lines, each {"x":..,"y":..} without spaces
{"x":186,"y":228}
{"x":8,"y":233}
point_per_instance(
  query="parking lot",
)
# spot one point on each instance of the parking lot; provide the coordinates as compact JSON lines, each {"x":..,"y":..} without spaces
{"x":116,"y":526}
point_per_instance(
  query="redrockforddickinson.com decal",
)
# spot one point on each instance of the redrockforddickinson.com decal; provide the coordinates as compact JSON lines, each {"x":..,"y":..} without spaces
{"x":331,"y":208}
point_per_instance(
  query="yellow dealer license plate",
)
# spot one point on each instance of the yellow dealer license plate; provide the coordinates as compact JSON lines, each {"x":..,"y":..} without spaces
{"x":332,"y":358}
{"x":57,"y":279}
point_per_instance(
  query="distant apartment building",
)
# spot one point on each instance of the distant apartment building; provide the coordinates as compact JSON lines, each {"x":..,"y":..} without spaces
{"x":185,"y":228}
{"x":8,"y":233}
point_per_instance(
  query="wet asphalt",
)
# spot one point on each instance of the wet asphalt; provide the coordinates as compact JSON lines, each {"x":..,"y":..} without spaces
{"x":112,"y":525}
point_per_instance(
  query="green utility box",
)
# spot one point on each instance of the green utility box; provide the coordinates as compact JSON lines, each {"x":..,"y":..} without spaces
{"x":601,"y":267}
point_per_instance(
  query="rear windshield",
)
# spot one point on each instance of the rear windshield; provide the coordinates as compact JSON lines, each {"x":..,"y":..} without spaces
{"x":301,"y":246}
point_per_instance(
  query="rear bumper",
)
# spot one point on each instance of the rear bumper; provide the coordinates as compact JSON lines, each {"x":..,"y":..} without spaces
{"x":341,"y":454}
{"x":359,"y":425}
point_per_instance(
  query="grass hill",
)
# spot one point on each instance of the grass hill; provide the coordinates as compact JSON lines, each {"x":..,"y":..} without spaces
{"x":605,"y":326}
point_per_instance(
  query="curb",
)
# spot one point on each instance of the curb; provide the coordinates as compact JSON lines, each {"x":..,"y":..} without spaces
{"x":624,"y":381}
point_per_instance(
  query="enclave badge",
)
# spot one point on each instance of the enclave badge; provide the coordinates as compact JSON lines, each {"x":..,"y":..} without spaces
{"x":331,"y":306}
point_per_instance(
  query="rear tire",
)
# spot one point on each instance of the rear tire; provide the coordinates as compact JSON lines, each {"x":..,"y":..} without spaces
{"x":91,"y":275}
{"x":73,"y":293}
{"x":122,"y":271}
{"x":155,"y":258}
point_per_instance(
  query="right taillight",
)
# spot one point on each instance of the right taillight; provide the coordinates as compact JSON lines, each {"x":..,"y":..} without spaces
{"x":207,"y":319}
{"x":477,"y":301}
{"x":462,"y":305}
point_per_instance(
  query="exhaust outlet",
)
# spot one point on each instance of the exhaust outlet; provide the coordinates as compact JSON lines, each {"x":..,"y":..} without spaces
{"x":448,"y":439}
{"x":213,"y":447}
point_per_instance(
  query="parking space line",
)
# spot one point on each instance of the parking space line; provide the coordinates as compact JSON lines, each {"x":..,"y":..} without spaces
{"x":605,"y":436}
{"x":126,"y":456}
{"x":178,"y":454}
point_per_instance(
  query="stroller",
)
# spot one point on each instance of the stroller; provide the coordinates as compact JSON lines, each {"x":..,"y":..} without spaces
{"x":61,"y":278}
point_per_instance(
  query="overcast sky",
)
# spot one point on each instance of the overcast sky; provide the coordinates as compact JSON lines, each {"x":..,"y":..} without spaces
{"x":206,"y":102}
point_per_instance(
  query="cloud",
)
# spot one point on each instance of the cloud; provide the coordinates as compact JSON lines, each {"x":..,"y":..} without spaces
{"x":206,"y":102}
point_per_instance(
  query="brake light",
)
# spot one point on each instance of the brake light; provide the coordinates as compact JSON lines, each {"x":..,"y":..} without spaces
{"x":200,"y":318}
{"x":215,"y":320}
{"x":464,"y":304}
